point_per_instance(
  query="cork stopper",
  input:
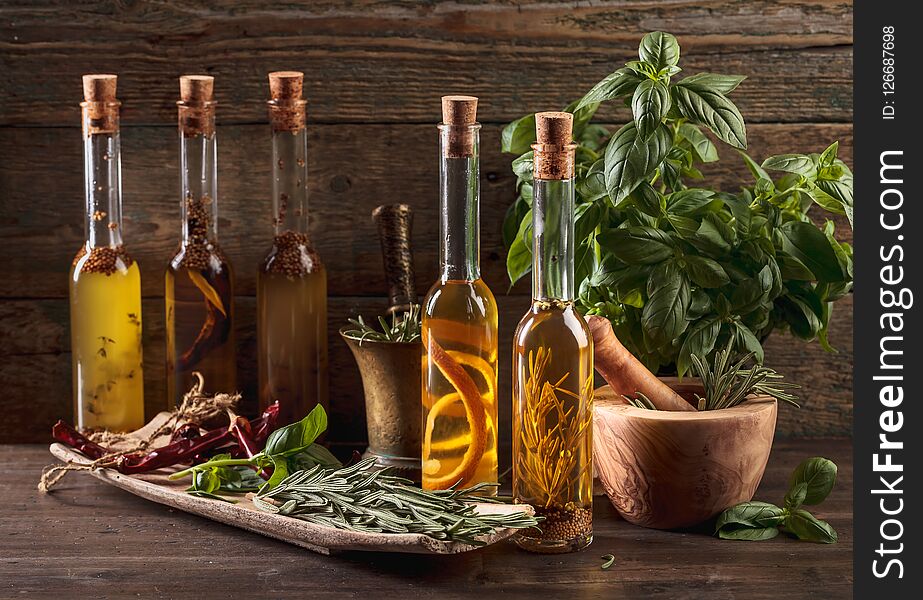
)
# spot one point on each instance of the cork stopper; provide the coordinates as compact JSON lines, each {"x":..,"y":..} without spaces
{"x":99,"y":88}
{"x":554,"y":147}
{"x":459,"y":120}
{"x":197,"y":105}
{"x":197,"y":89}
{"x":286,"y":106}
{"x":100,"y":104}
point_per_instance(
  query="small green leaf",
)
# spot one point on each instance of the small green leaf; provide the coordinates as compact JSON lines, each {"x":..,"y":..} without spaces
{"x":518,"y":260}
{"x":630,"y":159}
{"x":700,"y":340}
{"x":799,"y":164}
{"x":664,"y":315}
{"x":806,"y":526}
{"x":810,"y":246}
{"x":828,"y":156}
{"x":750,"y":534}
{"x":620,"y":83}
{"x":704,"y":148}
{"x":724,"y":84}
{"x":637,"y":245}
{"x":819,"y":476}
{"x":757,"y":171}
{"x":754,"y":514}
{"x":688,"y":202}
{"x":522,"y":166}
{"x":659,"y":49}
{"x":294,"y":438}
{"x":750,"y":342}
{"x":518,"y":136}
{"x":705,"y":272}
{"x":795,"y":496}
{"x":710,"y":108}
{"x":649,"y":105}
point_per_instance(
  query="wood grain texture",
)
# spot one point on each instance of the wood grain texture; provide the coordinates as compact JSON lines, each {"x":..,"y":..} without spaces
{"x":671,"y":469}
{"x":417,"y":52}
{"x":35,"y":368}
{"x":90,"y":540}
{"x":352,"y":170}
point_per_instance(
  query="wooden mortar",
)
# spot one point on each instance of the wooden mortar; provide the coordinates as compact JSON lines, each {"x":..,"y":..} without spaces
{"x":670,"y":469}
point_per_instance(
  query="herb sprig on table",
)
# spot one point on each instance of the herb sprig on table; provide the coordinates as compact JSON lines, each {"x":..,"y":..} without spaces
{"x":681,"y":269}
{"x":809,"y":485}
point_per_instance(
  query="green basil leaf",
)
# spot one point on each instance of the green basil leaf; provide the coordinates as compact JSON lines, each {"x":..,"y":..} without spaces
{"x":648,"y":200}
{"x":799,"y":164}
{"x":713,"y":236}
{"x":751,"y":514}
{"x":801,"y":319}
{"x":663,"y":317}
{"x":518,"y":260}
{"x":586,"y":218}
{"x":806,"y":526}
{"x":513,"y":219}
{"x":750,"y":343}
{"x":310,"y":457}
{"x":750,"y":534}
{"x":700,"y":340}
{"x":704,"y":148}
{"x":649,"y":105}
{"x":630,"y":159}
{"x":582,"y":115}
{"x":518,"y":136}
{"x":522,"y":166}
{"x":620,"y":83}
{"x":593,"y":185}
{"x":686,"y":227}
{"x":294,"y":438}
{"x":724,"y":84}
{"x":659,"y":49}
{"x":819,"y":475}
{"x":280,"y":471}
{"x":705,"y":272}
{"x":809,"y":245}
{"x":710,"y":108}
{"x":752,"y":293}
{"x":795,"y":496}
{"x":687,"y":202}
{"x":637,"y":245}
{"x":828,"y":156}
{"x":792,"y":268}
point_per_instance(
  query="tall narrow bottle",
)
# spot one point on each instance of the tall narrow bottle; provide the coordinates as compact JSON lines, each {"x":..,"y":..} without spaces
{"x":553,"y":361}
{"x":292,"y":283}
{"x":199,"y":281}
{"x":105,"y":283}
{"x":459,"y":323}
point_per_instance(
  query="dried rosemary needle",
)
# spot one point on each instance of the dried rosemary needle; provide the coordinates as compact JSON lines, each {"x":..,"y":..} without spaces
{"x":362,"y":498}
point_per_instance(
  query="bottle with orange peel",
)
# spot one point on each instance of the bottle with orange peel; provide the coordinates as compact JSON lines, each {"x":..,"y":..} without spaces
{"x":553,"y":361}
{"x":459,"y":322}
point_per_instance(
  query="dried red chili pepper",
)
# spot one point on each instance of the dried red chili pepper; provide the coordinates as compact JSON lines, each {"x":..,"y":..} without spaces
{"x":66,"y":434}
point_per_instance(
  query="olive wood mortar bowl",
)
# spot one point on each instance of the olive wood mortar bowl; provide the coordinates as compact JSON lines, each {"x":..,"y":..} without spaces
{"x":667,"y":469}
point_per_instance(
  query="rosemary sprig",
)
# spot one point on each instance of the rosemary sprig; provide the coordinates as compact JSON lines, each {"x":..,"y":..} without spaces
{"x":405,"y":328}
{"x":729,"y":383}
{"x":362,"y":498}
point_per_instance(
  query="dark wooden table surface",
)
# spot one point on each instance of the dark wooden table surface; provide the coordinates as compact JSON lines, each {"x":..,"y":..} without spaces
{"x":89,"y":540}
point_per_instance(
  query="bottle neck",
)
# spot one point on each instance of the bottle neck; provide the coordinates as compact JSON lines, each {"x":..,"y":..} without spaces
{"x":102,"y":176}
{"x":459,"y":193}
{"x":553,"y":239}
{"x":290,"y":180}
{"x":198,"y":174}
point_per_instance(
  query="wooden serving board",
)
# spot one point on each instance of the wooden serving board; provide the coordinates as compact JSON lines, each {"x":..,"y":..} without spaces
{"x":157,"y":487}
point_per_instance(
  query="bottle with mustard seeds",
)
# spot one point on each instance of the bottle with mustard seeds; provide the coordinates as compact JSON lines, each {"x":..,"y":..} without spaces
{"x":199,"y":281}
{"x":292,"y":281}
{"x":105,"y":283}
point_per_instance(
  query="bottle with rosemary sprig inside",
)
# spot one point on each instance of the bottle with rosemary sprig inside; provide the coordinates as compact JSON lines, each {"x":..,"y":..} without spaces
{"x":459,"y":322}
{"x":105,"y":283}
{"x":292,"y":281}
{"x":553,"y":361}
{"x":199,"y":281}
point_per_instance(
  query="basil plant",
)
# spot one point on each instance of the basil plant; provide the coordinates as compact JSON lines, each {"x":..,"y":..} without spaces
{"x":681,"y":269}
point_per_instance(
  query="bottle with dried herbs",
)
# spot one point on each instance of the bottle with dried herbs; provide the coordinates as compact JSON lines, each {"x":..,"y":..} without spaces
{"x":553,"y":362}
{"x":292,"y":282}
{"x":105,"y":283}
{"x":199,"y":281}
{"x":459,"y":322}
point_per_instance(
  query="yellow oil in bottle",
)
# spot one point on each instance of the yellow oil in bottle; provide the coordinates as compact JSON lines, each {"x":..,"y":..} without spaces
{"x":553,"y":413}
{"x":292,"y":325}
{"x":105,"y":310}
{"x":459,"y":329}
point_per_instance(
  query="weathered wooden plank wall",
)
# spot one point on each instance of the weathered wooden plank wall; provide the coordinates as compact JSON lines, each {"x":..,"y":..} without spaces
{"x":374,"y":74}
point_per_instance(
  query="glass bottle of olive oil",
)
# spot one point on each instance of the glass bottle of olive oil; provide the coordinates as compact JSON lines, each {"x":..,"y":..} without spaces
{"x":459,"y":322}
{"x":553,"y":362}
{"x":105,"y":283}
{"x":292,"y":282}
{"x":199,"y":293}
